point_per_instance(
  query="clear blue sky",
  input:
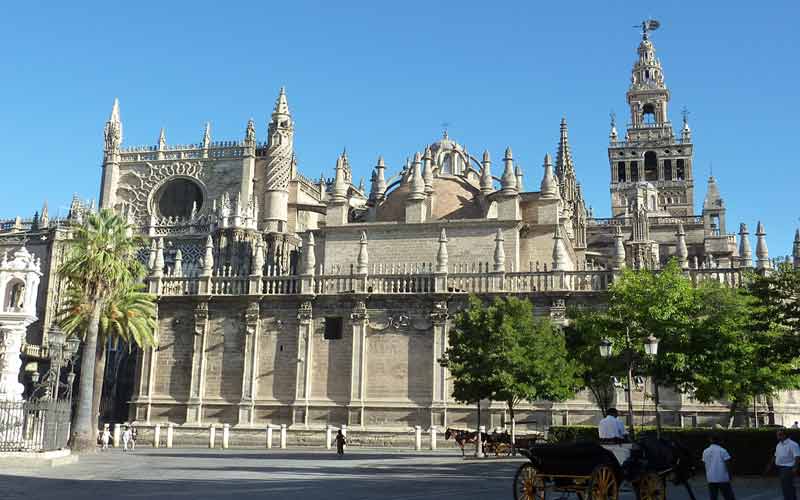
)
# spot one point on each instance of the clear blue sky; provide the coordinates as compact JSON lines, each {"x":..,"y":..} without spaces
{"x":380,"y":77}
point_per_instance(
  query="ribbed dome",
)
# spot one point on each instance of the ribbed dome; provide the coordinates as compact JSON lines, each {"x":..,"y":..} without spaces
{"x":455,"y":198}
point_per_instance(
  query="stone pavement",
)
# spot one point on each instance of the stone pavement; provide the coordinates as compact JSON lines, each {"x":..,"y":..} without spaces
{"x":196,"y":474}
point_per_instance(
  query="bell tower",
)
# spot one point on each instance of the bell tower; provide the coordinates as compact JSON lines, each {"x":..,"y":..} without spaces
{"x":651,"y":151}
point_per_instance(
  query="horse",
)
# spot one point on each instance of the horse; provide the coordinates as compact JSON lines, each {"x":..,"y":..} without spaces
{"x":463,"y":437}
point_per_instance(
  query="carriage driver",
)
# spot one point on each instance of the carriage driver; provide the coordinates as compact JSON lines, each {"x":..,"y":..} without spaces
{"x":611,"y":429}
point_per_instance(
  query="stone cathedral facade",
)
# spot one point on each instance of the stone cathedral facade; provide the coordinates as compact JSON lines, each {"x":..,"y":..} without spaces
{"x":290,"y":300}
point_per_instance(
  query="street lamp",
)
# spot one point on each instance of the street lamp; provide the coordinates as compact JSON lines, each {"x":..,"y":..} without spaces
{"x":605,"y":348}
{"x":651,"y":346}
{"x":651,"y":349}
{"x":55,"y":344}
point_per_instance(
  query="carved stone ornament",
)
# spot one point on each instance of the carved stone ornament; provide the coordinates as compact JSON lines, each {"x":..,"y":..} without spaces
{"x":558,"y":310}
{"x":251,"y":318}
{"x":439,"y":314}
{"x":137,"y":193}
{"x":359,"y":312}
{"x":304,"y":311}
{"x":200,"y":317}
{"x":400,"y":321}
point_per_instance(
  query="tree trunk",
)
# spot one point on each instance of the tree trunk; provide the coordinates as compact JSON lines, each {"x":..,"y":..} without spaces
{"x":99,"y":381}
{"x":513,"y":428}
{"x":732,"y":414}
{"x":84,"y":435}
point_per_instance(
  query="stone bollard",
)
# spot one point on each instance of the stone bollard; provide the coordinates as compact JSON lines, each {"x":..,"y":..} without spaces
{"x":117,"y":434}
{"x":479,"y":442}
{"x":212,"y":434}
{"x":226,"y":434}
{"x":269,"y":437}
{"x":328,"y":435}
{"x":417,"y":437}
{"x":283,"y":436}
{"x":156,"y":436}
{"x":433,"y":437}
{"x":170,"y":434}
{"x":344,"y":432}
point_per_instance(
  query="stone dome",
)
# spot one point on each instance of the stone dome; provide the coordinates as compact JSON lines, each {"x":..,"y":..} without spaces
{"x":454,"y":198}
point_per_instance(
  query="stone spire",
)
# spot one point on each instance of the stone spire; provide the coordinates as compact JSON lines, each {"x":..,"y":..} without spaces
{"x":499,"y":252}
{"x":177,"y":270}
{"x":309,"y":255}
{"x":378,"y":187}
{"x":363,"y":256}
{"x":158,"y":265}
{"x":686,"y":132}
{"x":486,"y":174}
{"x":162,"y":139}
{"x":339,"y":189}
{"x":508,"y":182}
{"x":113,"y":129}
{"x":618,"y":257}
{"x":207,"y":136}
{"x":613,"y":136}
{"x":280,"y":151}
{"x":441,"y":255}
{"x":680,"y":247}
{"x":745,"y":254}
{"x":427,"y":172}
{"x":561,"y":260}
{"x":762,"y":253}
{"x":44,"y":219}
{"x":208,"y":259}
{"x":713,"y":200}
{"x":417,"y":188}
{"x":565,"y":168}
{"x":549,"y":187}
{"x":796,"y":249}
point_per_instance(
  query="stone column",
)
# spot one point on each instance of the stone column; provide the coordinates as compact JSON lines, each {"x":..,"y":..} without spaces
{"x":305,"y":332}
{"x":194,"y":409}
{"x":358,"y":368}
{"x":250,"y":369}
{"x":11,"y":335}
{"x":440,"y":392}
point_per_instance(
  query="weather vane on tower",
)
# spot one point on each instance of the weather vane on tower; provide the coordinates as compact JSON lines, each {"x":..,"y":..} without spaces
{"x":647,"y":26}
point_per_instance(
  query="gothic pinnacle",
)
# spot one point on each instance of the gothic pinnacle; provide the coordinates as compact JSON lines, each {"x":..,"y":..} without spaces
{"x":207,"y":136}
{"x":417,"y":188}
{"x":281,"y":104}
{"x":487,"y":184}
{"x":548,"y":187}
{"x":762,"y":253}
{"x":162,"y":139}
{"x":745,"y":254}
{"x":508,"y":182}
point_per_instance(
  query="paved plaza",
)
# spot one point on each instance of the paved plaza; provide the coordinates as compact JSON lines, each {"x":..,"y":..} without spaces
{"x":250,"y":474}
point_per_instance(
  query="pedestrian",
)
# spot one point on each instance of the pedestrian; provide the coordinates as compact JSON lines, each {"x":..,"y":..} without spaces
{"x":105,"y":438}
{"x":340,"y":442}
{"x":134,"y":435}
{"x":126,"y":438}
{"x":718,"y":471}
{"x":795,"y":425}
{"x":787,"y":457}
{"x":611,"y":429}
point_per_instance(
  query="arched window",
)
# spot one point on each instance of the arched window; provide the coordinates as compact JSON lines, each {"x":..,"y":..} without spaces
{"x":634,"y":171}
{"x":177,"y":196}
{"x":668,"y":170}
{"x":649,"y":113}
{"x":652,"y":202}
{"x":621,"y":171}
{"x":680,"y":173}
{"x":650,"y":166}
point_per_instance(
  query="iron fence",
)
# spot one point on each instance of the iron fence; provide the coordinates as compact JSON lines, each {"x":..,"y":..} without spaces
{"x":42,"y":425}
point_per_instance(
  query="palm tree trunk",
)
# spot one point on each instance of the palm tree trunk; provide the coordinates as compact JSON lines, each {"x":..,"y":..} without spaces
{"x":99,"y":380}
{"x":84,"y":435}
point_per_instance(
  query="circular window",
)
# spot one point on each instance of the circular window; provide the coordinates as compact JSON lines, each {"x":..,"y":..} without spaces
{"x":176,"y":198}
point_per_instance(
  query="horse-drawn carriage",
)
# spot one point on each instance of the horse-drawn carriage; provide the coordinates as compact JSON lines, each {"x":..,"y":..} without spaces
{"x":595,"y":472}
{"x":495,"y":443}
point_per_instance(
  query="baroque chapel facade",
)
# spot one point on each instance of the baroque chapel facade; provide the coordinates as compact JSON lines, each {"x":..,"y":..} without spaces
{"x":287,"y":300}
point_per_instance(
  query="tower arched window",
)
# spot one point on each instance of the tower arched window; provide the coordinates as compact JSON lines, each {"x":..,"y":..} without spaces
{"x":650,"y":166}
{"x":649,"y":113}
{"x":634,"y":171}
{"x":621,"y":171}
{"x":668,"y":170}
{"x":680,"y":170}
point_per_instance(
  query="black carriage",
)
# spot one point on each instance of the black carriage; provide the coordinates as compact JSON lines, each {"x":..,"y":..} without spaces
{"x":592,"y":471}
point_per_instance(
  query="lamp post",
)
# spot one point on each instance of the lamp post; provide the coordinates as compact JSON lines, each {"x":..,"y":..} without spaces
{"x":55,"y":339}
{"x":606,"y":351}
{"x":651,"y":349}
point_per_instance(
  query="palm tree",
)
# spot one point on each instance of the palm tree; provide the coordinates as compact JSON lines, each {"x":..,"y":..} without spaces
{"x":129,"y":317}
{"x":101,"y":261}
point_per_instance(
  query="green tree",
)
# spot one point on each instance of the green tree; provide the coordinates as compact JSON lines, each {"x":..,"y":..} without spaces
{"x":101,"y":261}
{"x":585,"y":331}
{"x":129,"y":317}
{"x":500,"y":351}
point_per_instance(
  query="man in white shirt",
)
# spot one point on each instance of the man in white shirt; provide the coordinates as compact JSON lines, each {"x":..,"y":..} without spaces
{"x":787,"y":455}
{"x":611,"y":428}
{"x":718,"y":474}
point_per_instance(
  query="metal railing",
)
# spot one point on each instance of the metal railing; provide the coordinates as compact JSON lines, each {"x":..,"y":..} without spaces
{"x":34,"y":425}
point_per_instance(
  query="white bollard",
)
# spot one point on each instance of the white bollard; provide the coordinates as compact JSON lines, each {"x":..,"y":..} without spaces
{"x":212,"y":434}
{"x":226,"y":434}
{"x":417,"y":437}
{"x":283,"y":436}
{"x":479,"y":442}
{"x":156,"y":435}
{"x":117,"y":434}
{"x":170,"y":434}
{"x":433,"y":437}
{"x":269,"y":437}
{"x":328,"y":433}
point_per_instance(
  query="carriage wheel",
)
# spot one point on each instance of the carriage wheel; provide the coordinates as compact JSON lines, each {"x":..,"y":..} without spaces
{"x":528,"y":484}
{"x":603,"y":484}
{"x":651,"y":486}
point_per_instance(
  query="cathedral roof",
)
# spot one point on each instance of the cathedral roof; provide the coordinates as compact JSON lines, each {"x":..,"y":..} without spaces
{"x":455,"y":198}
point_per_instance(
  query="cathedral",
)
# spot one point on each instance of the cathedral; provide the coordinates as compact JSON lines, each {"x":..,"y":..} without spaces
{"x":306,"y":302}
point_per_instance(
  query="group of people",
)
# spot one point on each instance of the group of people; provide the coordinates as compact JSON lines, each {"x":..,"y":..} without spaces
{"x":129,"y":434}
{"x":786,"y":459}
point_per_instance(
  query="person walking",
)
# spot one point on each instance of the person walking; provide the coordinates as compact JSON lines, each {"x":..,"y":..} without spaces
{"x":787,"y":458}
{"x":126,"y":438}
{"x":611,"y":429}
{"x":340,"y":442}
{"x":718,"y":471}
{"x":105,"y":438}
{"x":134,"y":435}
